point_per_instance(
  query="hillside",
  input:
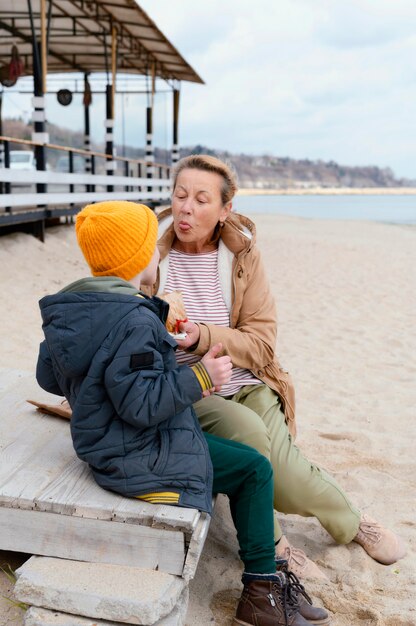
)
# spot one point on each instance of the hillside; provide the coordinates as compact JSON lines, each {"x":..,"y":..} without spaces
{"x":271,"y":172}
{"x":261,"y":172}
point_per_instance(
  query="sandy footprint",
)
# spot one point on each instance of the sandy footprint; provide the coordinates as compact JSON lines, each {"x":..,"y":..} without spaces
{"x":347,"y":608}
{"x":396,"y":620}
{"x":339,"y":436}
{"x":223,"y":606}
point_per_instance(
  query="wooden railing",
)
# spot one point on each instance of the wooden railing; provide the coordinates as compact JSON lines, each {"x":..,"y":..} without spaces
{"x":30,"y":195}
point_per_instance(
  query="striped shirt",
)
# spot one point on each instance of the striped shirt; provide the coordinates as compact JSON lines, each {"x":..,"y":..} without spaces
{"x":196,"y":276}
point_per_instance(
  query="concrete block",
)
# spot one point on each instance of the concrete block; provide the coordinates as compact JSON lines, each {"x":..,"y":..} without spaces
{"x":114,"y":593}
{"x":37,"y":616}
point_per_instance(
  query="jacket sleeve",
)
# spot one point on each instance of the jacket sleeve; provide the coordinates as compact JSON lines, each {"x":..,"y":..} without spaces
{"x":44,"y":371}
{"x":143,"y":390}
{"x":251,"y":343}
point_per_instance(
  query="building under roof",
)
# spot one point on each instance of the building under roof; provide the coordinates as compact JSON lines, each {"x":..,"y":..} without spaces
{"x":79,"y":36}
{"x":41,"y":37}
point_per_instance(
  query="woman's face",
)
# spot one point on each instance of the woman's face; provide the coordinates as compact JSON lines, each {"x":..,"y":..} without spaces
{"x":197,"y":208}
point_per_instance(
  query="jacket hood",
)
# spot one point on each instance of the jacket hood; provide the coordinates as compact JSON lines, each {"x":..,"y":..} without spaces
{"x":77,"y":320}
{"x":238,"y":232}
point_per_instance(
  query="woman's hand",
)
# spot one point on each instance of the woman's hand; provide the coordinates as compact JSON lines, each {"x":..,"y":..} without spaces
{"x":192,"y":334}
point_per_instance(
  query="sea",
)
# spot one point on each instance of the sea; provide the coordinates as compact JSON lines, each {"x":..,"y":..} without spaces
{"x":390,"y":209}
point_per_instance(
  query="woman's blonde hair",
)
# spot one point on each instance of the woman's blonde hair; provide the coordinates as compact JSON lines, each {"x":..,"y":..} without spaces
{"x":208,"y":163}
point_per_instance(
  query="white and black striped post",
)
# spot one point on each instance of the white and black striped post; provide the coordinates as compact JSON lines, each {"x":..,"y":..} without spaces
{"x":109,"y":126}
{"x":39,"y":118}
{"x":87,"y":140}
{"x":38,"y":101}
{"x":175,"y":145}
{"x":149,"y":144}
{"x":1,"y":132}
{"x":39,"y":134}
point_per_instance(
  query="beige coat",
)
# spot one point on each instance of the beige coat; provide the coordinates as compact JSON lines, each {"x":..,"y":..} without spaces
{"x":250,"y":341}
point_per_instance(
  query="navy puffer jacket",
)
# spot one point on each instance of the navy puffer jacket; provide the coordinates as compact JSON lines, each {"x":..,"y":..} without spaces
{"x":107,"y":351}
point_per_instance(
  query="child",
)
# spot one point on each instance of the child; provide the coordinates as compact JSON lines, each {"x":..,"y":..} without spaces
{"x":108,"y":352}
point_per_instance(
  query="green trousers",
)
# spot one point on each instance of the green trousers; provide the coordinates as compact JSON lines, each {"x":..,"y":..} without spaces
{"x":253,"y":416}
{"x":246,"y":477}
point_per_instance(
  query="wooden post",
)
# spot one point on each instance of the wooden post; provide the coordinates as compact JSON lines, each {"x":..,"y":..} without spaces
{"x":1,"y":143}
{"x":43,"y":44}
{"x":149,"y":129}
{"x":113,"y":66}
{"x":87,"y":143}
{"x":109,"y":124}
{"x":38,"y":101}
{"x":149,"y":137}
{"x":175,"y":146}
{"x":7,"y":186}
{"x":87,"y":102}
{"x":110,"y":108}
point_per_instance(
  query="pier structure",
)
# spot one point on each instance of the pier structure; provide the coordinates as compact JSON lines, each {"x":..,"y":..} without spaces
{"x":39,"y":38}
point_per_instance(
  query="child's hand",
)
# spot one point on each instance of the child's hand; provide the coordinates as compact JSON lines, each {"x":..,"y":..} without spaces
{"x":192,"y":334}
{"x":218,"y":367}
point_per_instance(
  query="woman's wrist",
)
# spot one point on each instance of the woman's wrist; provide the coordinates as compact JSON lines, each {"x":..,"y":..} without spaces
{"x":196,"y":335}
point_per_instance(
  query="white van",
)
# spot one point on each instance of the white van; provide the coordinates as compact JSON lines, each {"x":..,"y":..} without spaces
{"x":22,"y":160}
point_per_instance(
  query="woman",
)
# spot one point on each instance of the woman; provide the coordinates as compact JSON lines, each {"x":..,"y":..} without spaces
{"x":210,"y":254}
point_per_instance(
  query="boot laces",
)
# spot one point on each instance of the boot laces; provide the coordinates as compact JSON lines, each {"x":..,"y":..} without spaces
{"x":296,"y":586}
{"x":295,"y":555}
{"x":369,"y":532}
{"x":287,"y":597}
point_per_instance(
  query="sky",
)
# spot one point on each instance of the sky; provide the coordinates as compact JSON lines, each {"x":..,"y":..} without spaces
{"x":321,"y":79}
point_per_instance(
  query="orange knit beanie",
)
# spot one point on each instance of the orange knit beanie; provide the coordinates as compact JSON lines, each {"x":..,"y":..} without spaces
{"x":117,"y":238}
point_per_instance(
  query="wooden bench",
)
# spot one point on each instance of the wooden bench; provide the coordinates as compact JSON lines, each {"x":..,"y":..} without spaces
{"x":50,"y":504}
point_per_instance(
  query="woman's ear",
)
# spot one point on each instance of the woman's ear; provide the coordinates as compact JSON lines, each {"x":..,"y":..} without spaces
{"x":226,"y":210}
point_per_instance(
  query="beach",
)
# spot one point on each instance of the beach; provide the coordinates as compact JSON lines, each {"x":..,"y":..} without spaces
{"x":346,"y":299}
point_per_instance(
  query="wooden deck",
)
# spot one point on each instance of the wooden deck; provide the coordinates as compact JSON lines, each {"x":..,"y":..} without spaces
{"x":50,"y":505}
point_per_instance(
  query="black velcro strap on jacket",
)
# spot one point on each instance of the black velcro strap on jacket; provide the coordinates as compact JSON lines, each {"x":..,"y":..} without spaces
{"x":143,"y":361}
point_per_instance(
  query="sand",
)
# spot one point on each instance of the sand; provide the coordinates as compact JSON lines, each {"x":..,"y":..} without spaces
{"x":346,"y":301}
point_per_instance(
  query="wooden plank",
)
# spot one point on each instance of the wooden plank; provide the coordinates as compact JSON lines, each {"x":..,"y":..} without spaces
{"x":22,"y":433}
{"x":41,"y":470}
{"x":75,"y":492}
{"x":84,"y":498}
{"x":196,"y":546}
{"x":12,"y":378}
{"x":43,"y":462}
{"x":54,"y":480}
{"x":29,"y":199}
{"x":80,"y":539}
{"x":158,"y":516}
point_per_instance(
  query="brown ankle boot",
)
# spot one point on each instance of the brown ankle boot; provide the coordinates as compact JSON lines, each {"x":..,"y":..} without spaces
{"x":268,"y":603}
{"x":313,"y":614}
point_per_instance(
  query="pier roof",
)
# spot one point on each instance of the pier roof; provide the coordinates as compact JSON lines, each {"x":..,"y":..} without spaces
{"x":80,"y":38}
